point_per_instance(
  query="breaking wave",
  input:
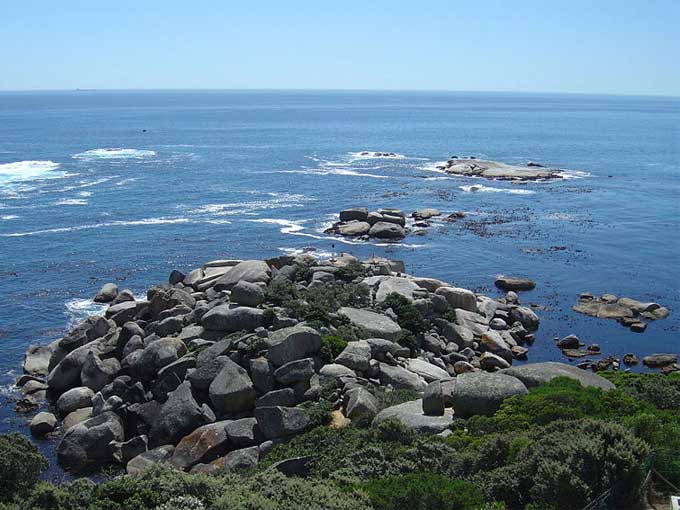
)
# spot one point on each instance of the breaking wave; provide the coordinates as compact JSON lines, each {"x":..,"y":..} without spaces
{"x":479,"y":188}
{"x":28,"y":170}
{"x":114,"y":153}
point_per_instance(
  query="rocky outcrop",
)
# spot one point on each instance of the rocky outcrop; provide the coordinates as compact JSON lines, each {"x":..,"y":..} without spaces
{"x":540,"y":373}
{"x":629,"y":312}
{"x":473,"y":167}
{"x":211,"y":370}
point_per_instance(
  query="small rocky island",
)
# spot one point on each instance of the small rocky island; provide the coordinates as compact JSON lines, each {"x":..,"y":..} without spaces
{"x":473,"y":167}
{"x":629,"y":312}
{"x":384,"y":224}
{"x":218,"y":365}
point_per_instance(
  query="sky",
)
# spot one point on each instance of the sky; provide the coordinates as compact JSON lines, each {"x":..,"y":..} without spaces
{"x":594,"y":46}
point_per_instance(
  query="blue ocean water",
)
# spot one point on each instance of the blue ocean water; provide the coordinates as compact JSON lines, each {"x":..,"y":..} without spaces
{"x":125,"y":186}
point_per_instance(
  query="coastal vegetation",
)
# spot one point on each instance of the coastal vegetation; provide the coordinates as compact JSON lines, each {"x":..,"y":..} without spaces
{"x":557,"y":447}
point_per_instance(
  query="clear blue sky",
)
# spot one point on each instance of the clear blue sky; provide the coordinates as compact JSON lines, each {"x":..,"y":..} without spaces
{"x":598,"y":46}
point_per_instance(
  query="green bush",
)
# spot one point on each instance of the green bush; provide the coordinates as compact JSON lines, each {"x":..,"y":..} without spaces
{"x":20,"y":465}
{"x":319,"y":412}
{"x":408,"y":315}
{"x":273,"y":491}
{"x":423,"y":491}
{"x":331,"y":347}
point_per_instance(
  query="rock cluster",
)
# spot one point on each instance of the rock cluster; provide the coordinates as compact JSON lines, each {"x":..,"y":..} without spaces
{"x":208,"y":371}
{"x":384,"y":224}
{"x":629,"y":312}
{"x":473,"y":167}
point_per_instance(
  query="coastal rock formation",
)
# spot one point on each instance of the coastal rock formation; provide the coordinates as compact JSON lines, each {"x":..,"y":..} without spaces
{"x":629,"y":312}
{"x":473,"y":167}
{"x":222,"y":359}
{"x":384,"y":224}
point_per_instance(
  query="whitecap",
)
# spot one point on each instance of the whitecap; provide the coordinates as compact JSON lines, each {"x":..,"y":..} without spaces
{"x":276,"y":201}
{"x":114,"y":153}
{"x":329,"y":171}
{"x":84,"y":194}
{"x":126,"y":181}
{"x":28,"y":170}
{"x":121,"y":223}
{"x":77,"y":310}
{"x":71,"y":201}
{"x":480,"y":188}
{"x":9,"y":217}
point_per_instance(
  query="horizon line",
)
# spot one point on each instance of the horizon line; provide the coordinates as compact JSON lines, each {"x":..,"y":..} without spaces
{"x":269,"y":89}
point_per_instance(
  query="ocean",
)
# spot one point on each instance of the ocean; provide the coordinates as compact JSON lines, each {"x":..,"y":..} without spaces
{"x":99,"y":186}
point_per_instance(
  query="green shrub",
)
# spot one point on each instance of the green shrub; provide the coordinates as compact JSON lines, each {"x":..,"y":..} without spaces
{"x":20,"y":465}
{"x":319,"y":412}
{"x":331,"y":347}
{"x":273,"y":491}
{"x":423,"y":491}
{"x":409,"y":317}
{"x":182,"y":503}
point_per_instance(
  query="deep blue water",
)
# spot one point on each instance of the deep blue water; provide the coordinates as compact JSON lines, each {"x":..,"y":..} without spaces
{"x":256,"y":174}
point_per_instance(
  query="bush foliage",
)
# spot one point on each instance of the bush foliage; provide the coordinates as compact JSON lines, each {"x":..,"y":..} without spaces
{"x":555,"y":448}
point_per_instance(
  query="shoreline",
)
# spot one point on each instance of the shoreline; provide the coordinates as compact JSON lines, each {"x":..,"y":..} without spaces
{"x":106,"y":360}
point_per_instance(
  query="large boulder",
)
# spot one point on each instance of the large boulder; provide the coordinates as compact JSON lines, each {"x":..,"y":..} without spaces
{"x":387,"y":230}
{"x":354,"y":214}
{"x":161,"y":299}
{"x":179,"y":416}
{"x":247,"y":294}
{"x":230,"y":319}
{"x":86,"y":331}
{"x":292,"y":343}
{"x":202,"y":377}
{"x":400,"y":378}
{"x":373,"y":323}
{"x":427,"y":370}
{"x":238,"y":460}
{"x":252,"y":271}
{"x":508,"y":283}
{"x":278,"y":422}
{"x":356,"y":356}
{"x":37,"y":360}
{"x":360,"y":404}
{"x":244,"y":432}
{"x":295,"y":371}
{"x":459,"y":298}
{"x":43,"y":423}
{"x":157,"y":355}
{"x":411,"y":415}
{"x":97,"y":373}
{"x":144,"y":461}
{"x":204,"y":444}
{"x":392,"y":284}
{"x":534,"y":374}
{"x":475,"y":393}
{"x":75,"y":398}
{"x":107,"y":293}
{"x":232,"y":390}
{"x":353,"y":228}
{"x":87,"y":443}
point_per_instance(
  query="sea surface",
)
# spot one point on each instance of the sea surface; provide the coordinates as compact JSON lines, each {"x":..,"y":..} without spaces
{"x":100,"y":186}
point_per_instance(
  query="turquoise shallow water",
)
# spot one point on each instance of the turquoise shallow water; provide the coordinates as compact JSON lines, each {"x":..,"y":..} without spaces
{"x":204,"y":175}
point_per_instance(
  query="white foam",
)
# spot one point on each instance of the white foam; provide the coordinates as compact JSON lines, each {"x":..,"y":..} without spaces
{"x":28,"y":170}
{"x":9,"y":217}
{"x":114,"y":153}
{"x":126,"y":181}
{"x":132,"y":223}
{"x":480,"y":188}
{"x":71,"y":201}
{"x":276,"y":201}
{"x":573,"y":174}
{"x":77,"y":310}
{"x":330,"y":171}
{"x":295,"y":228}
